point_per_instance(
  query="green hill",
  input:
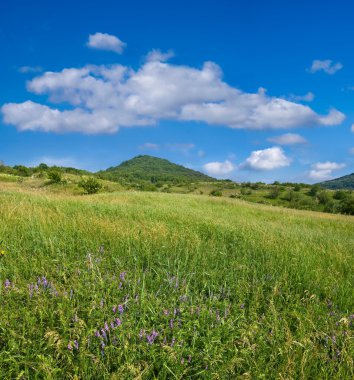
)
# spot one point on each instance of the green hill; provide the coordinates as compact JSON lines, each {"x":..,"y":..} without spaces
{"x":345,"y":182}
{"x":152,"y":169}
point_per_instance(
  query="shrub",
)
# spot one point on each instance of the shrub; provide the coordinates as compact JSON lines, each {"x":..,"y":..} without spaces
{"x":216,"y":193}
{"x":274,"y":192}
{"x":323,"y":197}
{"x":90,"y":185}
{"x":54,"y":176}
{"x":347,"y":206}
{"x":314,"y":190}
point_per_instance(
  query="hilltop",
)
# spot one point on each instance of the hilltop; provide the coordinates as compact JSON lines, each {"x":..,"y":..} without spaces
{"x":152,"y":169}
{"x":345,"y":182}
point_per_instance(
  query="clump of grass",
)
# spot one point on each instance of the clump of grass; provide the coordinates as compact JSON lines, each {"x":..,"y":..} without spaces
{"x":168,"y":286}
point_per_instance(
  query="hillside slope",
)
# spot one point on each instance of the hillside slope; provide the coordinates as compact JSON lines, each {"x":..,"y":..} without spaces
{"x":345,"y":182}
{"x":153,"y":169}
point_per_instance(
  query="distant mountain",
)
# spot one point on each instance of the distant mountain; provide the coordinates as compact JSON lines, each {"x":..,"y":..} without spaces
{"x":345,"y":182}
{"x":152,"y":169}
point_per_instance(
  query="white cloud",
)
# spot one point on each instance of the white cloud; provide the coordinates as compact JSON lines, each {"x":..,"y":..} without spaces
{"x":30,"y":69}
{"x":288,"y":139}
{"x":219,"y":169}
{"x":149,"y":146}
{"x":266,"y":159}
{"x":352,"y":128}
{"x":157,"y":55}
{"x":309,"y":97}
{"x":327,"y":65}
{"x":322,"y":171}
{"x":105,"y":41}
{"x":104,"y":98}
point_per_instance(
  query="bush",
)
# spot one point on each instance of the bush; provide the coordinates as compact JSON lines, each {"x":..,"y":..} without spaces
{"x":314,"y":190}
{"x":54,"y":176}
{"x":323,"y":197}
{"x":216,"y":193}
{"x":274,"y":192}
{"x":347,"y":206}
{"x":90,"y":185}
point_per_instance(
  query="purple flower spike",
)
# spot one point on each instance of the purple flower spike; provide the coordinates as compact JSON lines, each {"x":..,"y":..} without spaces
{"x":122,"y":276}
{"x":118,"y":322}
{"x":70,"y":347}
{"x":7,"y":283}
{"x":121,"y":309}
{"x":97,"y":334}
{"x":171,"y":324}
{"x":106,"y":326}
{"x":114,"y":309}
{"x":76,"y":344}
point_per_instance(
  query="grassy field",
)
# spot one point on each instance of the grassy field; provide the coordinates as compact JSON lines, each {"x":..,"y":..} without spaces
{"x":133,"y":285}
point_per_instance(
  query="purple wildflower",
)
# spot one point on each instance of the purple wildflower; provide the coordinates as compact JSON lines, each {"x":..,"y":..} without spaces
{"x":106,"y":326}
{"x":7,"y":283}
{"x":121,"y":309}
{"x":70,"y":347}
{"x":173,"y":342}
{"x":76,"y":344}
{"x":114,"y":309}
{"x":242,"y":306}
{"x":122,"y":276}
{"x":118,"y":322}
{"x":171,"y":324}
{"x":97,"y":334}
{"x":112,"y":325}
{"x":166,"y":312}
{"x":151,"y":338}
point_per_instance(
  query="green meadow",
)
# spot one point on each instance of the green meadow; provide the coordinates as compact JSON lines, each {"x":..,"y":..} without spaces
{"x":149,"y":285}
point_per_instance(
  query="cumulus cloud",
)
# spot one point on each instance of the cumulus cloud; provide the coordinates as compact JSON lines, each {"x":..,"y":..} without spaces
{"x":219,"y":169}
{"x":327,"y":66}
{"x":322,"y":171}
{"x":157,"y":55}
{"x":266,"y":159}
{"x":288,"y":139}
{"x":105,"y":41}
{"x":101,"y":99}
{"x":309,"y":97}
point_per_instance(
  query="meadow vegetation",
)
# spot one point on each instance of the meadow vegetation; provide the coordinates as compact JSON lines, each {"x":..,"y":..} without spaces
{"x":144,"y":285}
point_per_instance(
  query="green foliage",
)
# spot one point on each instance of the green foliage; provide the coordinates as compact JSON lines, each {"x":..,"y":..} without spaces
{"x":216,"y":193}
{"x":347,"y":206}
{"x":153,"y":169}
{"x":274,"y":192}
{"x":54,"y":176}
{"x":90,"y":185}
{"x":314,"y":190}
{"x":345,"y":182}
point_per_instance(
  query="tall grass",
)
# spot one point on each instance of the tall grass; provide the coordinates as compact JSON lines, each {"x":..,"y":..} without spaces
{"x":152,"y":285}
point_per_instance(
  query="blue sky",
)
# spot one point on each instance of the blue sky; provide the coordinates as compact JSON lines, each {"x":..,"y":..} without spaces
{"x":244,"y":90}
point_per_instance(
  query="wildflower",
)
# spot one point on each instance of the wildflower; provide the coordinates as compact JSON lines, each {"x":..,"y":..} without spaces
{"x":112,"y":325}
{"x":142,"y":333}
{"x":171,"y":324}
{"x":151,"y":338}
{"x":114,"y":309}
{"x":120,"y":308}
{"x":242,"y":306}
{"x":7,"y":283}
{"x":76,"y":344}
{"x":97,"y":334}
{"x":118,"y":322}
{"x":122,"y":276}
{"x":2,"y":252}
{"x":166,"y":312}
{"x":70,"y":347}
{"x":106,"y":326}
{"x":189,"y":358}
